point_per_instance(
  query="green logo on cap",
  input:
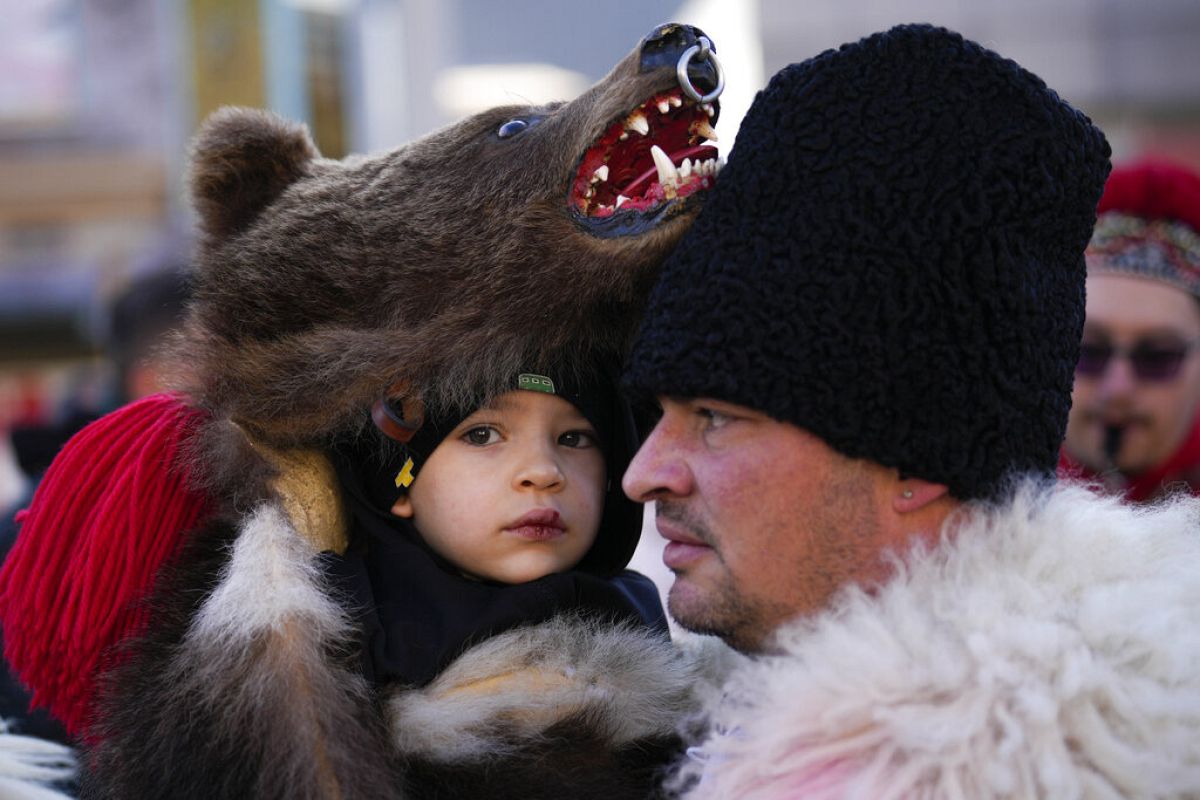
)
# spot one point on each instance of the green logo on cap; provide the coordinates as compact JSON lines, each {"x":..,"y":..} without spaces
{"x":535,"y":383}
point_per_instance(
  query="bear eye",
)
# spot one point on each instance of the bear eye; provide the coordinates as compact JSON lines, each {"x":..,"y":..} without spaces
{"x":512,"y":128}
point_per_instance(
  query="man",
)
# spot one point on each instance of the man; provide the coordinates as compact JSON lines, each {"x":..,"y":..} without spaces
{"x":864,"y":352}
{"x":1133,"y":423}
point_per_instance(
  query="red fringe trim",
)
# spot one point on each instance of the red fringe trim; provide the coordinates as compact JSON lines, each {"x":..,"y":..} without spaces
{"x":111,"y":510}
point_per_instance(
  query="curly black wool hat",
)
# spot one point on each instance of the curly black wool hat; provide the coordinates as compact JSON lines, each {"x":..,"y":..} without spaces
{"x":893,"y":260}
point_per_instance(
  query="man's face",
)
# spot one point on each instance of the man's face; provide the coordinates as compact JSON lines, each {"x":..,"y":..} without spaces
{"x":763,"y":520}
{"x":1135,"y":319}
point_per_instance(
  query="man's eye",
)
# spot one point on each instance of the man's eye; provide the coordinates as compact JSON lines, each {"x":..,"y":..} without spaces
{"x":715,"y":418}
{"x":577,"y":439}
{"x":481,"y":435}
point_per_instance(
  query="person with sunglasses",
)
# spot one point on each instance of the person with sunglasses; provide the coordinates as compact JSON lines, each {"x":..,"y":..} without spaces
{"x":1134,"y":424}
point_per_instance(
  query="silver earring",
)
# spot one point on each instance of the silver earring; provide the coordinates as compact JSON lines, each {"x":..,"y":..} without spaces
{"x":907,"y":494}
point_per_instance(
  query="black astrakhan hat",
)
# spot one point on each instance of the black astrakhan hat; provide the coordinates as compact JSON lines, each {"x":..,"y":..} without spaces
{"x":893,"y":260}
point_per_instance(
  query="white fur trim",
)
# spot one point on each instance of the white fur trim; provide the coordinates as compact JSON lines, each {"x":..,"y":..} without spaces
{"x":257,"y":656}
{"x":624,"y":683}
{"x":270,"y":590}
{"x":27,"y":764}
{"x":271,"y":579}
{"x":1047,"y":649}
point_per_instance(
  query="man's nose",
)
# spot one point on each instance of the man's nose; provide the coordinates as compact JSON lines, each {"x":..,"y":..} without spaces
{"x":657,"y":469}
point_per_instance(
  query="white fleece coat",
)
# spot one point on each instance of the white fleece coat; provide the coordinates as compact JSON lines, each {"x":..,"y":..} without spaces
{"x":1046,"y":649}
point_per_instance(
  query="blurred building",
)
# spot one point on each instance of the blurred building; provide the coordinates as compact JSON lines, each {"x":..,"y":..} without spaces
{"x":1132,"y":65}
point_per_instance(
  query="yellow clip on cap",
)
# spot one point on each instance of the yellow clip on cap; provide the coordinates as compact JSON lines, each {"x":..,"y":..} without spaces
{"x":405,"y":477}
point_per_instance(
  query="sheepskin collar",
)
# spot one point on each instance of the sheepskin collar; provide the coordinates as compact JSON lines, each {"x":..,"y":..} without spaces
{"x":1048,"y":648}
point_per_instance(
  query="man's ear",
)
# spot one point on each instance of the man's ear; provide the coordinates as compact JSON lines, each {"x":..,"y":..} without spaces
{"x":403,"y":506}
{"x":914,"y":494}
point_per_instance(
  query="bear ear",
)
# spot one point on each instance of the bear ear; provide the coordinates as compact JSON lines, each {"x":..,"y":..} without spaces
{"x":242,"y":159}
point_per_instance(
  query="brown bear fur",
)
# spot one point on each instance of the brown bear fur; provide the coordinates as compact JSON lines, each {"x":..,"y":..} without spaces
{"x":436,"y":272}
{"x":442,"y":267}
{"x":433,"y":271}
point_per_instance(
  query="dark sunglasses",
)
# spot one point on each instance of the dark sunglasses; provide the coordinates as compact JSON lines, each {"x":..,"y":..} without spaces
{"x":1151,"y":361}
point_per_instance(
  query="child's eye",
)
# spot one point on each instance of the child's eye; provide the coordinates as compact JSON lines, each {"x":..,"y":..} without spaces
{"x":577,"y":439}
{"x":481,"y":435}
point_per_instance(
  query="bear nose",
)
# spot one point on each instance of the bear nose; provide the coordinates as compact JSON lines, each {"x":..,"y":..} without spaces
{"x":666,"y":43}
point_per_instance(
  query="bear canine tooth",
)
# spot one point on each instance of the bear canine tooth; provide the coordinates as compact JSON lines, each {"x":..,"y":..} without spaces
{"x":601,"y":174}
{"x":624,"y":135}
{"x":706,"y":130}
{"x":663,"y":106}
{"x":685,"y":169}
{"x":621,"y":199}
{"x":675,"y":102}
{"x":637,"y":122}
{"x":668,"y":176}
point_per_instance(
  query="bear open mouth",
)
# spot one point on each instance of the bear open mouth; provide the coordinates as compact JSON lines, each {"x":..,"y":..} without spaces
{"x":655,"y":154}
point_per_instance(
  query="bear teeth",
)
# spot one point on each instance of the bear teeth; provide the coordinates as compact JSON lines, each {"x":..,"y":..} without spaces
{"x":668,"y":176}
{"x":662,"y":179}
{"x":704,"y":129}
{"x":637,"y":122}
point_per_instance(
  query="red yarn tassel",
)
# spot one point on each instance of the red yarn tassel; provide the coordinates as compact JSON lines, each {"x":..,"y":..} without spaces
{"x":111,"y":510}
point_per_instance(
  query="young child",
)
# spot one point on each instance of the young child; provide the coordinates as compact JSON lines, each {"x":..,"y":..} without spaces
{"x":469,"y":524}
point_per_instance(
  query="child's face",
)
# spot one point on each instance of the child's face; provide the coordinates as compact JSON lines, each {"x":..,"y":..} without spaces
{"x":515,"y":492}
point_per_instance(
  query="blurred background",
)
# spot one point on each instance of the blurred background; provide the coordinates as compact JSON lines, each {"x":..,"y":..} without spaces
{"x":98,"y":99}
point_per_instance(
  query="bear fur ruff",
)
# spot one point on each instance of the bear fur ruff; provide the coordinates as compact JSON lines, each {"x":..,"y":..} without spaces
{"x":436,"y":272}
